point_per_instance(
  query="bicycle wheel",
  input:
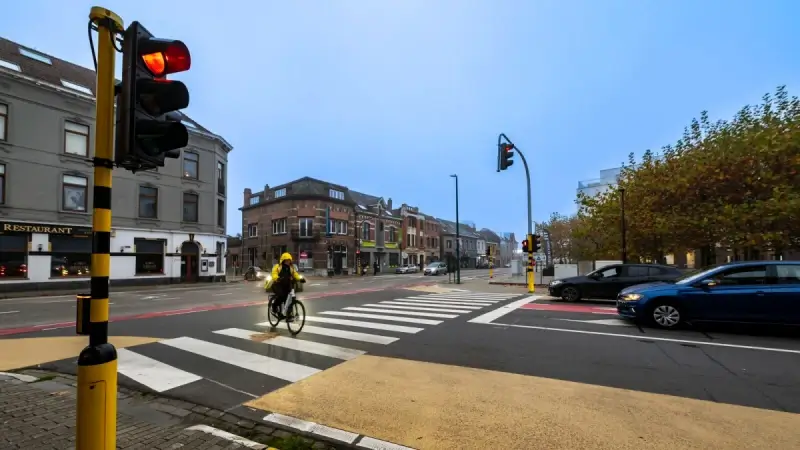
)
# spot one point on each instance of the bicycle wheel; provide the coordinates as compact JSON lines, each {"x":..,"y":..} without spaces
{"x":272,"y":318}
{"x":298,"y":317}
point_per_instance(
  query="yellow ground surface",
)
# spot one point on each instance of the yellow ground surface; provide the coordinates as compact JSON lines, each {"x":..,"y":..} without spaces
{"x":18,"y":353}
{"x":434,"y":406}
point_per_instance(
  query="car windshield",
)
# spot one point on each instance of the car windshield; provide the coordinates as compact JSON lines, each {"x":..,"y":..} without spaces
{"x":433,"y":265}
{"x":696,"y":275}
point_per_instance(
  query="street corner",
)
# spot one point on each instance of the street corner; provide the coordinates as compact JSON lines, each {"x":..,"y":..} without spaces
{"x":434,"y":406}
{"x":29,"y":352}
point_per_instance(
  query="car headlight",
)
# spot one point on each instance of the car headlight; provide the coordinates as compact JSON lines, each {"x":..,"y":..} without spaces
{"x":631,"y":297}
{"x":555,"y":282}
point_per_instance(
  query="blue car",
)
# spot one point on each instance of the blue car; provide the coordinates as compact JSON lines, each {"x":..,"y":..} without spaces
{"x":758,"y":292}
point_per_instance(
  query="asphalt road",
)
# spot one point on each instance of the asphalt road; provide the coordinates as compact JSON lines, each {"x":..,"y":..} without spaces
{"x":26,"y":314}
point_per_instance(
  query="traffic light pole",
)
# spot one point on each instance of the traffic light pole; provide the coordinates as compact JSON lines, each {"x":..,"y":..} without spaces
{"x":97,"y":363}
{"x":529,"y":269}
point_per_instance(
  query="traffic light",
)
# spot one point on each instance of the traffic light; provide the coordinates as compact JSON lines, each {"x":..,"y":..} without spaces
{"x":537,"y":243}
{"x":504,"y":154}
{"x":488,"y":252}
{"x":525,"y":246}
{"x":148,"y":127}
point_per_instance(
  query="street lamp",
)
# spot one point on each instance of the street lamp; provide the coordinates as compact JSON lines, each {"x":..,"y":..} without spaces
{"x":458,"y":237}
{"x":624,"y":228}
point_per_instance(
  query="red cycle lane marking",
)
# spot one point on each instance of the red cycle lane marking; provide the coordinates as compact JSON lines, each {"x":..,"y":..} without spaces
{"x":177,"y":312}
{"x":571,"y":308}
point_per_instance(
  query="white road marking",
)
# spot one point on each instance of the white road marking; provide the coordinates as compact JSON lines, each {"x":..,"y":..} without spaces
{"x":8,"y":312}
{"x":20,"y":376}
{"x":378,"y":309}
{"x":474,"y":295}
{"x":380,"y":317}
{"x":314,"y":284}
{"x":651,"y":338}
{"x":430,"y":304}
{"x":216,"y":432}
{"x":612,"y":322}
{"x":251,"y":361}
{"x":154,"y":374}
{"x":455,"y":302}
{"x":311,"y":427}
{"x":165,"y":298}
{"x":376,"y":444}
{"x":495,"y":314}
{"x":332,"y":351}
{"x":359,"y":323}
{"x":224,"y":293}
{"x":416,"y":308}
{"x":344,"y":334}
{"x":462,"y":299}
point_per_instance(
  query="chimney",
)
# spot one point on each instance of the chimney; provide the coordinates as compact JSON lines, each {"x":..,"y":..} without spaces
{"x":247,"y":194}
{"x":389,"y":204}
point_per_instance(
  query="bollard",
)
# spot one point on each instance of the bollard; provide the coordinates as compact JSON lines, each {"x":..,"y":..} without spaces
{"x":82,"y":321}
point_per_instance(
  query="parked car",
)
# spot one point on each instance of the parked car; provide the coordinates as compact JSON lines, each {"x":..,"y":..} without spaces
{"x":436,"y":268}
{"x":412,"y":268}
{"x":401,"y":269}
{"x":608,"y":281}
{"x":761,"y":292}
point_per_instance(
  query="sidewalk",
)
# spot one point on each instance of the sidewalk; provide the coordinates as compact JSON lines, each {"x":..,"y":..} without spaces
{"x":38,"y":410}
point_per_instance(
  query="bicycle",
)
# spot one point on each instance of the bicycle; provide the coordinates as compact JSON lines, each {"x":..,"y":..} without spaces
{"x":294,"y":312}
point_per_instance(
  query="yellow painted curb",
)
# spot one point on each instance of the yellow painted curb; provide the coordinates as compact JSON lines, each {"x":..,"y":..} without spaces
{"x":26,"y":352}
{"x":435,"y":406}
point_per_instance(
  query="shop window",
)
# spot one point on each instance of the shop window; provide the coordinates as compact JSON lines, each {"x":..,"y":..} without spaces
{"x":394,"y":259}
{"x":149,"y":256}
{"x":14,"y":255}
{"x":71,"y":256}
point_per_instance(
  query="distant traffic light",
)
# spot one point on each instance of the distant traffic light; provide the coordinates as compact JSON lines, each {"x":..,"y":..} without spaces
{"x":537,"y":243}
{"x":525,"y":246}
{"x":488,"y":252}
{"x":148,"y":129}
{"x":505,"y":153}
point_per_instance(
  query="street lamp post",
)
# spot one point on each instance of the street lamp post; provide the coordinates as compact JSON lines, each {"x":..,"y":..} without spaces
{"x":458,"y":237}
{"x":624,"y":228}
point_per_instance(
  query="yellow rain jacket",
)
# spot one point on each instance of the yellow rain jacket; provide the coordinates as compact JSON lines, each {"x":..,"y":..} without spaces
{"x":276,"y":270}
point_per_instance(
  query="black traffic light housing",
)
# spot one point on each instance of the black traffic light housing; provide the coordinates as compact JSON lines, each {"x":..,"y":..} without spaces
{"x":525,"y":246}
{"x":148,"y":128}
{"x":505,"y":153}
{"x":537,"y":243}
{"x":488,"y":252}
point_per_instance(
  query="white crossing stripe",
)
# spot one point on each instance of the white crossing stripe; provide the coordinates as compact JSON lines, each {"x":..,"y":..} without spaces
{"x":380,"y":317}
{"x":251,"y":361}
{"x":429,"y":303}
{"x":465,"y":299}
{"x":154,"y":374}
{"x":472,"y":295}
{"x":378,"y":309}
{"x":495,"y":314}
{"x":317,"y":348}
{"x":391,"y":305}
{"x":343,"y":334}
{"x":454,"y":302}
{"x":362,"y":324}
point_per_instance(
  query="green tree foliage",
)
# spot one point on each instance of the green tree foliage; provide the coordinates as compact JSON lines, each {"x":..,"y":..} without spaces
{"x":733,"y":183}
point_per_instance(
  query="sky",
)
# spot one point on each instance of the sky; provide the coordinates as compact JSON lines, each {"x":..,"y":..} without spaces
{"x":391,"y":97}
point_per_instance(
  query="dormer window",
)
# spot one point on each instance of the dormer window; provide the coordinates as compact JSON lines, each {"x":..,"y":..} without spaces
{"x":36,"y":56}
{"x":338,"y":195}
{"x":280,"y":193}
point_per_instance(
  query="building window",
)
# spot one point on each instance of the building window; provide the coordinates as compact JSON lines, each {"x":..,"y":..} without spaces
{"x":279,"y":226}
{"x":2,"y":184}
{"x":191,"y":165}
{"x":337,"y":226}
{"x":76,"y":139}
{"x":14,"y":255}
{"x":35,"y":56}
{"x":220,"y":255}
{"x":3,"y":122}
{"x":220,"y":178}
{"x":280,"y":193}
{"x":73,"y":193}
{"x":339,"y":195}
{"x":190,"y":207}
{"x":252,"y":230}
{"x":148,"y":202}
{"x":394,"y":259}
{"x":71,"y":256}
{"x":149,"y":256}
{"x":392,"y":234}
{"x":365,"y":231}
{"x":408,"y":240}
{"x":306,"y":227}
{"x":254,"y":200}
{"x":77,"y":87}
{"x":220,"y":213}
{"x":449,"y":243}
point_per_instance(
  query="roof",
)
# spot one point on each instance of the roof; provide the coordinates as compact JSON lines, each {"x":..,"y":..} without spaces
{"x":464,"y":231}
{"x":18,"y":60}
{"x":489,"y":235}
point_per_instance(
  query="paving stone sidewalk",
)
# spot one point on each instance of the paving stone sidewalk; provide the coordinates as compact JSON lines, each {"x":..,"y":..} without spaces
{"x":38,"y":409}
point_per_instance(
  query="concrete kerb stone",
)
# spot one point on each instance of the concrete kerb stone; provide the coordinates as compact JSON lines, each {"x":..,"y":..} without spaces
{"x":241,"y":421}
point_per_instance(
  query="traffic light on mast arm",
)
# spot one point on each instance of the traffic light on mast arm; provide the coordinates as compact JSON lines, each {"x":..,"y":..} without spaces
{"x":148,"y":127}
{"x":537,"y":243}
{"x":505,"y":153}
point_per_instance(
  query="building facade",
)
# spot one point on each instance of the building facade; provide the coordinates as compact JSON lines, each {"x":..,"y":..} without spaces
{"x":468,"y":244}
{"x":430,"y":242}
{"x":608,"y":179}
{"x":378,"y":230}
{"x":168,"y":224}
{"x":412,"y":247}
{"x":492,"y":245}
{"x":309,"y":218}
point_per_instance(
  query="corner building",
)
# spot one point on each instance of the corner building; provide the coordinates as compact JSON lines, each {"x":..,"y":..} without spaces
{"x":168,"y":225}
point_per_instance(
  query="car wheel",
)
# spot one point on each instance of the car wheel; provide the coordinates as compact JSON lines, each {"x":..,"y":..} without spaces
{"x":570,"y":294}
{"x":666,"y":315}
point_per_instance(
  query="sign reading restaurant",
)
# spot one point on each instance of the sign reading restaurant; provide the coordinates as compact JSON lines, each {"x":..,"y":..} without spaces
{"x":24,"y":227}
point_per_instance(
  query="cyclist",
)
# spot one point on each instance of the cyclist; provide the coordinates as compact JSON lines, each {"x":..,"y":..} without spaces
{"x":283,"y":275}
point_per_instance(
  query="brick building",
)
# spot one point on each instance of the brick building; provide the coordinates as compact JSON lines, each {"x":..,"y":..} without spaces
{"x":312,"y":219}
{"x":430,"y":239}
{"x":379,"y":230}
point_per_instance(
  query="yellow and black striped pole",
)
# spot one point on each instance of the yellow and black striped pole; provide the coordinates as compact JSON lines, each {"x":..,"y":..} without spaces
{"x":97,"y":363}
{"x":529,"y":270}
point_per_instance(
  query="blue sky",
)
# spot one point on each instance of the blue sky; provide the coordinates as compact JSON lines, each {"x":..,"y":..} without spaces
{"x":391,"y":97}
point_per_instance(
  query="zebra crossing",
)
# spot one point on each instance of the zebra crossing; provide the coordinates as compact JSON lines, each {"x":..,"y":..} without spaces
{"x":209,"y":363}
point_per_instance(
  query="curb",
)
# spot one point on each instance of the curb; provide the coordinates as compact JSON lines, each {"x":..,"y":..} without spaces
{"x":516,"y":283}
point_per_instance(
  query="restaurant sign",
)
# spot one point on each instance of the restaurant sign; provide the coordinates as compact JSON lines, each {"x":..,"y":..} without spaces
{"x":25,"y":227}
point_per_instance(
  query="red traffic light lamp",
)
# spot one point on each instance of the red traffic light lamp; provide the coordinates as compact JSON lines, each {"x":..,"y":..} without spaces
{"x":505,"y":153}
{"x":149,"y":129}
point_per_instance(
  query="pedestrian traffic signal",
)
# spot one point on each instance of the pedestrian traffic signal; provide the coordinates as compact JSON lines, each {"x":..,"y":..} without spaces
{"x":525,"y":246}
{"x":537,"y":243}
{"x":504,"y":154}
{"x":148,"y":127}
